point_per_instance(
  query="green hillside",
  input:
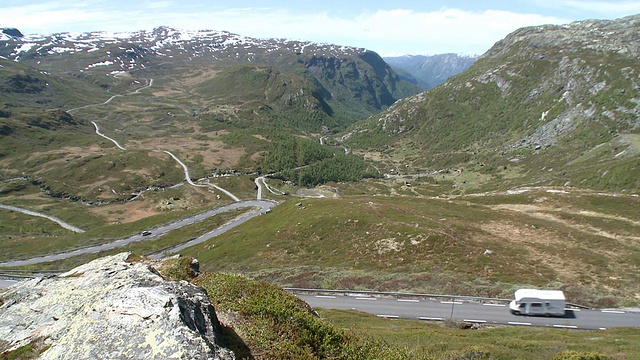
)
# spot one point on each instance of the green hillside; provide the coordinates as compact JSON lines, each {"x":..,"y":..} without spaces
{"x":546,"y":106}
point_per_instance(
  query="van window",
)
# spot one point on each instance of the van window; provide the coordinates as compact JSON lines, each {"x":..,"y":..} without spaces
{"x":536,"y":305}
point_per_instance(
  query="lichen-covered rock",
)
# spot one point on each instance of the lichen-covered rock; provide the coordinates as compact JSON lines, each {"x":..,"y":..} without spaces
{"x":111,"y":309}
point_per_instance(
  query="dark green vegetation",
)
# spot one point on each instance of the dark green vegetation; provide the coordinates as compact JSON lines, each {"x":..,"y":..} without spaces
{"x":29,"y":351}
{"x":300,"y":160}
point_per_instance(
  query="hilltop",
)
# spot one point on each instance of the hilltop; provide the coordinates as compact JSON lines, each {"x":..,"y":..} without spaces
{"x":548,"y":105}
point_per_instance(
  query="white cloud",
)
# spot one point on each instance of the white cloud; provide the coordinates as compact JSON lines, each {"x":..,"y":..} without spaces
{"x":604,"y":9}
{"x":397,"y":31}
{"x":448,"y":30}
{"x":388,"y":32}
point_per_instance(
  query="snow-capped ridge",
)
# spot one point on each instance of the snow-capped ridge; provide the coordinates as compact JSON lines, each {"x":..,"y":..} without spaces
{"x":162,"y":41}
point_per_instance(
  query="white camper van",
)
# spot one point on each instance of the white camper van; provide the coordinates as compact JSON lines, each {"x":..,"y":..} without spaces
{"x":538,"y":302}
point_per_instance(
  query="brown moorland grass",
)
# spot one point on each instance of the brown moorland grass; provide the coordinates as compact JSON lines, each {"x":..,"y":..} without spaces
{"x":439,"y":245}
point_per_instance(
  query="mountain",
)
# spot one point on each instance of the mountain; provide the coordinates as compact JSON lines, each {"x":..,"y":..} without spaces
{"x":520,"y":172}
{"x":429,"y":71}
{"x":153,"y":87}
{"x":552,"y":105}
{"x":328,"y":86}
{"x":10,"y":33}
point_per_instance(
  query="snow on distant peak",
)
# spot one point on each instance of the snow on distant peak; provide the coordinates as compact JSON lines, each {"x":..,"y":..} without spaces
{"x":130,"y":50}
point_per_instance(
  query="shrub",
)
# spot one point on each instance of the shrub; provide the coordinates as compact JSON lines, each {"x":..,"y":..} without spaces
{"x":278,"y":325}
{"x":576,"y":355}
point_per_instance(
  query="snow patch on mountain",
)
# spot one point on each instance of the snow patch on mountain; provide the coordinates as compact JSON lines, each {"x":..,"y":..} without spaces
{"x":164,"y":41}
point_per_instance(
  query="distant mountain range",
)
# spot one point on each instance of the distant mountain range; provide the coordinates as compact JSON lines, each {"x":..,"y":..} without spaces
{"x":429,"y":71}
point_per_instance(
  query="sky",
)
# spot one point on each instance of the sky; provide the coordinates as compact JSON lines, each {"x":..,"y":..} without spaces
{"x":390,"y":28}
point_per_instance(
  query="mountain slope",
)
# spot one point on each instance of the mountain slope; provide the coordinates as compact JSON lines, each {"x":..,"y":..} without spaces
{"x":166,"y":89}
{"x":430,"y":71}
{"x":352,"y":82}
{"x":555,"y":104}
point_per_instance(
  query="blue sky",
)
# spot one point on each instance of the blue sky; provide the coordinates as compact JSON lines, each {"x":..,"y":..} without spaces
{"x":387,"y":27}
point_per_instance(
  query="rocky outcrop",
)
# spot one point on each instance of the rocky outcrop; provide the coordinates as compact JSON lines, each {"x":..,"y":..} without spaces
{"x":11,"y":33}
{"x":111,"y":308}
{"x":601,"y":36}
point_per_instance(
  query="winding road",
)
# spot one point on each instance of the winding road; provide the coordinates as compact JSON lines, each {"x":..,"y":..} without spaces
{"x":49,"y":217}
{"x":106,"y":137}
{"x":409,"y":308}
{"x":148,"y":85}
{"x":157,"y":232}
{"x":261,"y":180}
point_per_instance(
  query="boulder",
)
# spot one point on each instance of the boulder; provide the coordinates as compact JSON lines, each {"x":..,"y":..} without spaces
{"x":111,"y":308}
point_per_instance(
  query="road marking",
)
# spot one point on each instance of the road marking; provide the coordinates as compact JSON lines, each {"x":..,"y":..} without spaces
{"x":518,"y":323}
{"x":325,"y":297}
{"x":474,"y":321}
{"x":430,"y":318}
{"x":566,"y":326}
{"x":451,"y":302}
{"x":613,"y":311}
{"x":565,"y":309}
{"x":499,"y":305}
{"x":389,"y":316}
{"x":409,"y":300}
{"x":366,"y":298}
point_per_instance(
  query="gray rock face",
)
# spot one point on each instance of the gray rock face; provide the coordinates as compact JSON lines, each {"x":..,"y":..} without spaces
{"x":111,"y":309}
{"x":604,"y":36}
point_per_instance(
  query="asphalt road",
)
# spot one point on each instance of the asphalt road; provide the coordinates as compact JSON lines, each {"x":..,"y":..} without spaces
{"x":49,"y":217}
{"x":155,"y":233}
{"x":264,"y":206}
{"x":431,"y":310}
{"x":6,"y":283}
